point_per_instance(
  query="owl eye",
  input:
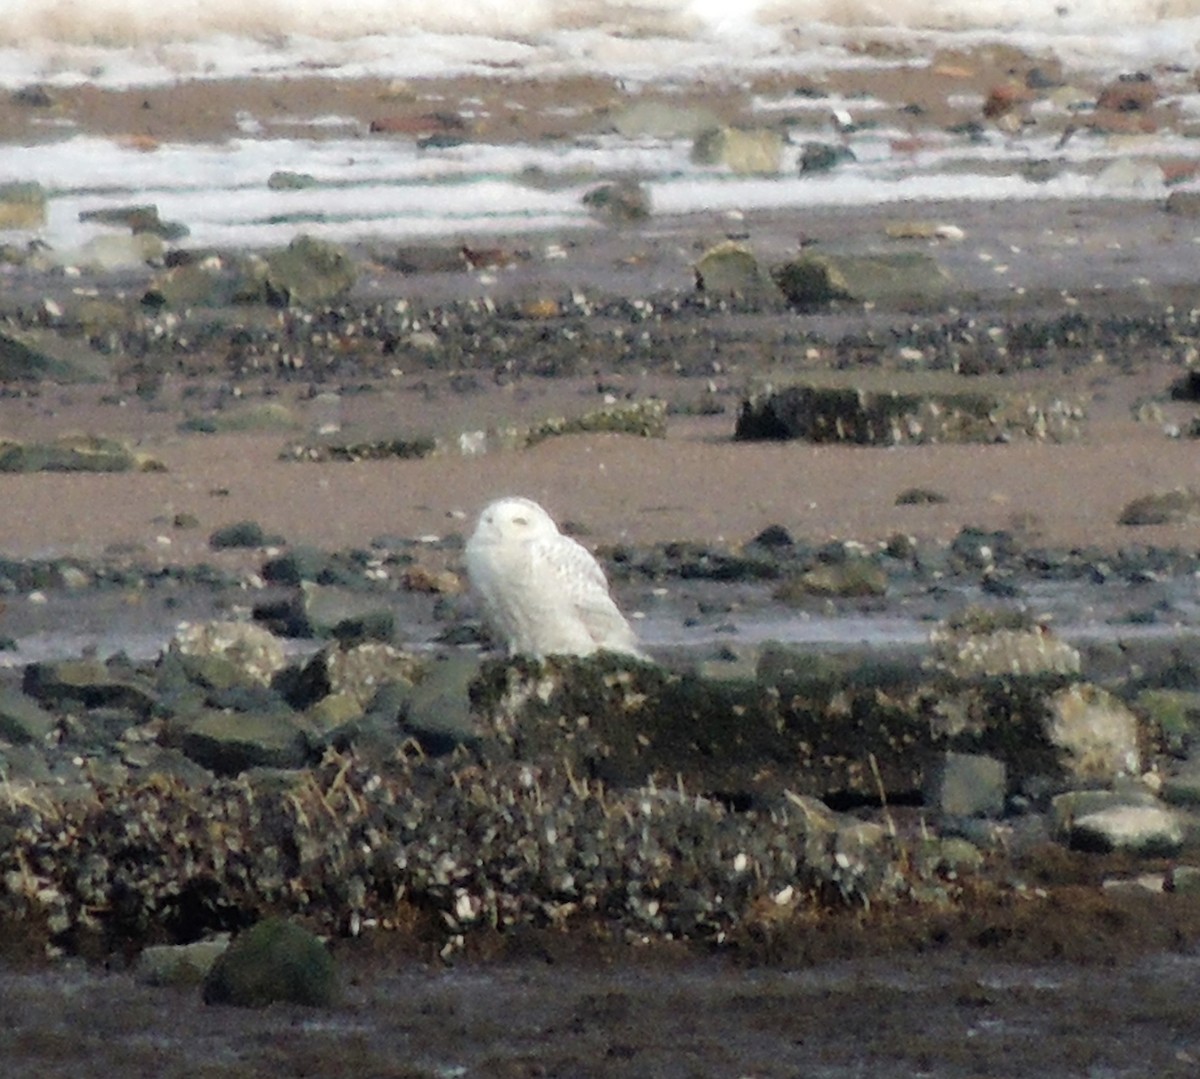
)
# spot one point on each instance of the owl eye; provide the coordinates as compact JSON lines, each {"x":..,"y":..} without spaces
{"x":521,"y":521}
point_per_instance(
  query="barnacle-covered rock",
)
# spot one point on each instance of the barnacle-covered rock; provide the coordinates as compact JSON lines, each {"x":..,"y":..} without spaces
{"x":252,"y":652}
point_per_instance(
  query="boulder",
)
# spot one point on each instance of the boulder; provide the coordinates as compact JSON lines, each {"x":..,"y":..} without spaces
{"x":179,"y":965}
{"x":89,"y":683}
{"x":661,"y":120}
{"x":137,"y":219}
{"x":966,"y":785}
{"x":22,"y":205}
{"x":229,"y":743}
{"x":621,"y":203}
{"x":1180,"y":506}
{"x":888,"y":417}
{"x":317,"y":610}
{"x":253,"y":653}
{"x":817,"y":280}
{"x":1098,"y":734}
{"x":22,"y":721}
{"x":745,"y":151}
{"x":309,"y":273}
{"x":273,"y":962}
{"x":74,"y":453}
{"x":832,"y":727}
{"x":731,"y":269}
{"x":358,"y":671}
{"x":1146,"y":830}
{"x":34,"y":355}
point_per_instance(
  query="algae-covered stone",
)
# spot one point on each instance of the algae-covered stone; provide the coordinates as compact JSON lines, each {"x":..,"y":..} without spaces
{"x":661,"y":120}
{"x":817,"y":280}
{"x":866,"y":415}
{"x":273,"y":962}
{"x":269,"y":416}
{"x":229,"y":743}
{"x":1181,"y":506}
{"x":73,"y":453}
{"x":88,"y":682}
{"x":620,"y":203}
{"x":22,"y":721}
{"x":316,"y":610}
{"x":966,"y":785}
{"x":34,"y":355}
{"x":745,"y":151}
{"x":309,"y":272}
{"x":178,"y":965}
{"x":731,"y":269}
{"x":22,"y":205}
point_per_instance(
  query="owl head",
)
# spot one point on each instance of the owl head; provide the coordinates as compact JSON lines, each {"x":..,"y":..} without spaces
{"x":514,"y":519}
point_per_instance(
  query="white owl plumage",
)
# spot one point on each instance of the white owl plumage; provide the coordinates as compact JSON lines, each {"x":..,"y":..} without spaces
{"x":542,"y":592}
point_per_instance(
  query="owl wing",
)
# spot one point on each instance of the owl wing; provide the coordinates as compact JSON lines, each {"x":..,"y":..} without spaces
{"x":574,"y":569}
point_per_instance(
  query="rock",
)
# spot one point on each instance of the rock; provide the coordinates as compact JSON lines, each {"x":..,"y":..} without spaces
{"x":1128,"y":175}
{"x":74,"y":453}
{"x":267,"y":416}
{"x":229,"y":743}
{"x":90,"y":683}
{"x":316,"y":610}
{"x":283,"y":180}
{"x":438,"y":711}
{"x":273,"y":962}
{"x":1181,"y":786}
{"x":1146,"y":830}
{"x":309,"y":273}
{"x":426,"y":258}
{"x":823,"y":157}
{"x":661,"y":120}
{"x":969,"y":652}
{"x":22,"y":721}
{"x":817,"y":280}
{"x":1187,"y":386}
{"x":301,"y":563}
{"x":251,"y":650}
{"x":358,"y":671}
{"x":1181,"y":506}
{"x":966,"y":785}
{"x":920,"y":496}
{"x":1184,"y":203}
{"x":432,"y":582}
{"x":34,"y":355}
{"x":821,"y":413}
{"x":730,"y":269}
{"x":1185,"y":880}
{"x":1068,"y":807}
{"x":136,"y":219}
{"x":620,"y":203}
{"x":242,"y":534}
{"x":1129,"y":93}
{"x":1173,"y":716}
{"x":828,"y":726}
{"x":209,"y":282}
{"x":109,"y":253}
{"x":181,"y":966}
{"x":22,"y":205}
{"x":747,"y":152}
{"x":853,"y":576}
{"x":1098,"y":733}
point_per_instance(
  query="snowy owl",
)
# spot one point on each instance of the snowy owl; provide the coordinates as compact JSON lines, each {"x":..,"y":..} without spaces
{"x":542,"y":593}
